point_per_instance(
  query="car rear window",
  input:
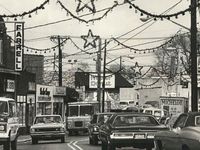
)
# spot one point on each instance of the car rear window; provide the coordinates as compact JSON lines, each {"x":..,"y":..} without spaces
{"x":134,"y":120}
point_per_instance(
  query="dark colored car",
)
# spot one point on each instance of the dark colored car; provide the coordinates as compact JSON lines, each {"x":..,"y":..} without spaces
{"x":93,"y":128}
{"x":128,"y":129}
{"x":184,"y":134}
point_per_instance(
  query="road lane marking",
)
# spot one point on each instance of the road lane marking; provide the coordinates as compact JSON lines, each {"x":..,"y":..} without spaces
{"x":70,"y":145}
{"x":75,"y":144}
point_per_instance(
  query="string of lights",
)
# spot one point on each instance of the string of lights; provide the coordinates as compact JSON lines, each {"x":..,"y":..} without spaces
{"x":29,"y":13}
{"x":147,"y":50}
{"x":91,"y":20}
{"x":155,"y":16}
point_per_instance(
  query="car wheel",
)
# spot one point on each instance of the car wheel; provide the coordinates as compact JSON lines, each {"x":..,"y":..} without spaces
{"x":34,"y":141}
{"x":110,"y":147}
{"x":103,"y":146}
{"x":95,"y":140}
{"x":90,"y":141}
{"x":149,"y":148}
{"x":7,"y":146}
{"x":14,"y":144}
{"x":185,"y":147}
{"x":63,"y":139}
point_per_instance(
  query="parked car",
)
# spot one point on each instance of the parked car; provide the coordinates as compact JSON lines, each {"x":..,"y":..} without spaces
{"x":47,"y":127}
{"x":93,"y":128}
{"x":128,"y":129}
{"x":184,"y":135}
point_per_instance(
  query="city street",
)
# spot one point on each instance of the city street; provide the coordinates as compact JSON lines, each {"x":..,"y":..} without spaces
{"x":72,"y":143}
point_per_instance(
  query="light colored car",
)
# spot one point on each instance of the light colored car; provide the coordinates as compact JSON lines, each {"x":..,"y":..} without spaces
{"x":184,"y":134}
{"x":48,"y":127}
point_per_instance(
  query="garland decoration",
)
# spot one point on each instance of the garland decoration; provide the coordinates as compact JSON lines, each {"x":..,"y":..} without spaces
{"x":147,"y":50}
{"x":82,"y":5}
{"x":91,"y":20}
{"x":26,"y":13}
{"x":142,"y":12}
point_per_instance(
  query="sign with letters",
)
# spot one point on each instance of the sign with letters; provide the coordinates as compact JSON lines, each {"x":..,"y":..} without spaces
{"x":109,"y":80}
{"x":19,"y":42}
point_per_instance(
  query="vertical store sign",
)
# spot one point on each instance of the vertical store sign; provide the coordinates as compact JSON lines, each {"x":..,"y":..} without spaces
{"x":19,"y":43}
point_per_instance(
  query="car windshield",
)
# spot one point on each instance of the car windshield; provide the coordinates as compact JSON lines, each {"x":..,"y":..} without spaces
{"x":103,"y":118}
{"x":3,"y":108}
{"x":197,"y":120}
{"x":48,"y":119}
{"x":86,"y":110}
{"x":130,"y":120}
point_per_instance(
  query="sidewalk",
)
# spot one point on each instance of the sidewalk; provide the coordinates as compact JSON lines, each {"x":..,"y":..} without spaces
{"x":24,"y":138}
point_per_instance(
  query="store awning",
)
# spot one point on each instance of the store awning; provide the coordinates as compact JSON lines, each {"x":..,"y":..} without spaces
{"x":9,"y":71}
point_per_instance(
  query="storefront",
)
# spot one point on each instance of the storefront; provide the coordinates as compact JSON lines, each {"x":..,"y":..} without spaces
{"x":50,"y":100}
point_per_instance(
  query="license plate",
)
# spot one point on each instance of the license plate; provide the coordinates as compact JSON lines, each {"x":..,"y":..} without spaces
{"x":139,"y":136}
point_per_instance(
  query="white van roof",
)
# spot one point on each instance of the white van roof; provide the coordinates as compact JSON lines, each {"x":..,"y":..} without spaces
{"x":6,"y":99}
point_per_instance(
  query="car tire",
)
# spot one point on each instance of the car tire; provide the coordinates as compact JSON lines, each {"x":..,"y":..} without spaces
{"x":14,"y":144}
{"x":110,"y":147}
{"x":103,"y":146}
{"x":149,"y":148}
{"x":63,"y":139}
{"x":91,"y":141}
{"x":7,"y":146}
{"x":185,"y":147}
{"x":34,"y":141}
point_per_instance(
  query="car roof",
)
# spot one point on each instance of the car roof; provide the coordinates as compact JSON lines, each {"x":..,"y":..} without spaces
{"x":132,"y":113}
{"x":47,"y":115}
{"x":6,"y":99}
{"x":104,"y":113}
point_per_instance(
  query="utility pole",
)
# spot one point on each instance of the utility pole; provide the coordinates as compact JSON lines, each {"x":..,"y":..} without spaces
{"x":60,"y":61}
{"x":98,"y":69}
{"x":104,"y":77}
{"x":193,"y":39}
{"x":58,"y":38}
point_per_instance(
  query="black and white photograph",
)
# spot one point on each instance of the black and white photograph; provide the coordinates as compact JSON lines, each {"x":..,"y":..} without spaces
{"x":99,"y":75}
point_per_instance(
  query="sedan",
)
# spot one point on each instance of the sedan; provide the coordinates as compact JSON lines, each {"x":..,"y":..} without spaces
{"x":184,"y":134}
{"x":47,"y":127}
{"x":129,"y":130}
{"x":93,"y":128}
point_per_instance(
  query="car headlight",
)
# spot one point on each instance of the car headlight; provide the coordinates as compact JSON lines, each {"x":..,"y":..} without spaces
{"x":32,"y":130}
{"x":95,"y":129}
{"x":62,"y":129}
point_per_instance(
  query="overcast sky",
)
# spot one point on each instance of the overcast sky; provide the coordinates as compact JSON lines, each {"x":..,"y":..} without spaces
{"x":119,"y":21}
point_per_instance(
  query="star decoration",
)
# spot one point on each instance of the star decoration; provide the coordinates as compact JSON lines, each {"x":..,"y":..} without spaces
{"x":137,"y":69}
{"x":85,"y":4}
{"x":90,"y":39}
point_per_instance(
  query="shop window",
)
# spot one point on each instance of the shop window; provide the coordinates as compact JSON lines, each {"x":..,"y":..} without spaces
{"x":57,"y":108}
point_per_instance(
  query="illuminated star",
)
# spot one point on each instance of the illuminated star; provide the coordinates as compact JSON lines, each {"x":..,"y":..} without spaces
{"x":85,"y":4}
{"x":89,"y":39}
{"x":137,"y":69}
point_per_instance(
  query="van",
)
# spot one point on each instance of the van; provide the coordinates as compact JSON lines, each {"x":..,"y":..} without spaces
{"x":126,"y":103}
{"x":158,"y":113}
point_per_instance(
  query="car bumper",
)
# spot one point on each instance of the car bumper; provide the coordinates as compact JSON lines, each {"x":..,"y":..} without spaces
{"x":48,"y":135}
{"x":137,"y":143}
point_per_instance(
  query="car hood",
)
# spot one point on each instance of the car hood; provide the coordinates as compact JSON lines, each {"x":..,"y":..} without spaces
{"x":47,"y":125}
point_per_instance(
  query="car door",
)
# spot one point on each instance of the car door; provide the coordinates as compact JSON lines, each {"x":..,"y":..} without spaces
{"x":172,"y":138}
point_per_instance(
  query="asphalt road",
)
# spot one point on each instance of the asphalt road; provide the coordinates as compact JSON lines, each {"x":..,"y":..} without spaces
{"x":72,"y":143}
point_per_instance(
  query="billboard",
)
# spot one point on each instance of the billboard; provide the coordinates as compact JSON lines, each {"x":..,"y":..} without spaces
{"x":109,"y":80}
